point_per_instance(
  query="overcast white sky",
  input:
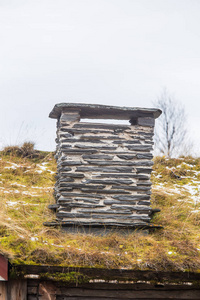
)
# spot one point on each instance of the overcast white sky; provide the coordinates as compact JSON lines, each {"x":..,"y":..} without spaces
{"x":115,"y":52}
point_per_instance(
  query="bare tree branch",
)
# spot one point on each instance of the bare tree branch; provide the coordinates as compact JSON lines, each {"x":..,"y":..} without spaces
{"x":170,"y":130}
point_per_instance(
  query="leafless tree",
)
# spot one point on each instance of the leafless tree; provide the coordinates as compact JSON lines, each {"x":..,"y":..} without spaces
{"x":170,"y":129}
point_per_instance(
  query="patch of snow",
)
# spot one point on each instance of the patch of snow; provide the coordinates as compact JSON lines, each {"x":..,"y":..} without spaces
{"x":60,"y":246}
{"x":51,"y":172}
{"x":13,"y":166}
{"x":29,"y":194}
{"x":18,"y":184}
{"x":194,"y":191}
{"x":44,"y":188}
{"x":11,"y":203}
{"x":34,"y":239}
{"x":196,"y":172}
{"x":42,"y":166}
{"x":16,"y":191}
{"x":158,"y":176}
{"x":38,"y":171}
{"x":188,"y":165}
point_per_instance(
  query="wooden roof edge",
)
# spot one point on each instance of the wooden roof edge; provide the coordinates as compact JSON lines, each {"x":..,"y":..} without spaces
{"x":112,"y":274}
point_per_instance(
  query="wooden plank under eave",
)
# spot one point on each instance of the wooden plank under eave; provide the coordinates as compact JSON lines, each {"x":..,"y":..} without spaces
{"x":3,"y":268}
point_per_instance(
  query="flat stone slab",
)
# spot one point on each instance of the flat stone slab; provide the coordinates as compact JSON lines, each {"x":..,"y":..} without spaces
{"x":97,"y":111}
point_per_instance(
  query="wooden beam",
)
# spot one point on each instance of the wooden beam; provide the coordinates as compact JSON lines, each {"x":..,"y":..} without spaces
{"x":114,"y":274}
{"x":3,"y":268}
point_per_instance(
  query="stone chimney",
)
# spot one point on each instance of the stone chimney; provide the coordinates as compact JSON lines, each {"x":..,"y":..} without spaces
{"x":103,"y":178}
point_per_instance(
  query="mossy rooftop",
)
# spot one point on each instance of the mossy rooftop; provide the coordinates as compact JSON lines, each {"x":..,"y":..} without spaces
{"x":26,"y":190}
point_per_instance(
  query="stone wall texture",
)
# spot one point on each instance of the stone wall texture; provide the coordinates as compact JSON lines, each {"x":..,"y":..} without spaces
{"x":103,"y":175}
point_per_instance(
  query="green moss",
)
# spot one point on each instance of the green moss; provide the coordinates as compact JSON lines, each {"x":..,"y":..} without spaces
{"x":70,"y":277}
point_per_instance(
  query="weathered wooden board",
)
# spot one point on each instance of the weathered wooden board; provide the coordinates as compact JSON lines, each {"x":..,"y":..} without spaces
{"x":115,"y":274}
{"x":13,"y":289}
{"x":17,"y":289}
{"x":3,"y":290}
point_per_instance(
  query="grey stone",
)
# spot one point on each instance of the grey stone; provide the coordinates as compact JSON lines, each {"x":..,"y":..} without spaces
{"x":104,"y":191}
{"x":82,"y":195}
{"x":66,"y":179}
{"x":144,"y":156}
{"x":144,"y":203}
{"x":140,"y":148}
{"x":79,"y":205}
{"x":146,"y":134}
{"x":148,"y":121}
{"x":79,"y":151}
{"x":96,"y":111}
{"x":145,"y":183}
{"x":69,"y":117}
{"x":105,"y":169}
{"x":102,"y":137}
{"x":121,"y":225}
{"x":131,"y":207}
{"x":101,"y":211}
{"x":95,"y":147}
{"x":98,"y":156}
{"x":64,"y":207}
{"x":63,"y":146}
{"x":117,"y":218}
{"x":136,"y":176}
{"x":66,"y":169}
{"x":108,"y":181}
{"x":62,"y":189}
{"x":72,"y":215}
{"x":63,"y":200}
{"x":126,"y":157}
{"x":71,"y":163}
{"x":66,"y":135}
{"x":111,"y":202}
{"x":131,"y":197}
{"x":144,"y":170}
{"x":87,"y":200}
{"x":80,"y":185}
{"x":73,"y":131}
{"x":73,"y":175}
{"x":81,"y":140}
{"x":117,"y":163}
{"x":127,"y":142}
{"x":131,"y":188}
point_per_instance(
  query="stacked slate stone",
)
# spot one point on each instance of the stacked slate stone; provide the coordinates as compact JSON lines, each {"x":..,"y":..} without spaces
{"x":103,"y":170}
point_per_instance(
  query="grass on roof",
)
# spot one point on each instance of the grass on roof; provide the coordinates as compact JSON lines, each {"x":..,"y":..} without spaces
{"x":26,"y":190}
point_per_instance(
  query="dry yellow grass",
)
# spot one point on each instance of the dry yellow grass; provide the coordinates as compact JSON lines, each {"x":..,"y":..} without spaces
{"x":26,"y":190}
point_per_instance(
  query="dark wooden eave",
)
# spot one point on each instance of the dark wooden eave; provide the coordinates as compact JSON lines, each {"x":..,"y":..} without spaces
{"x":113,"y":274}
